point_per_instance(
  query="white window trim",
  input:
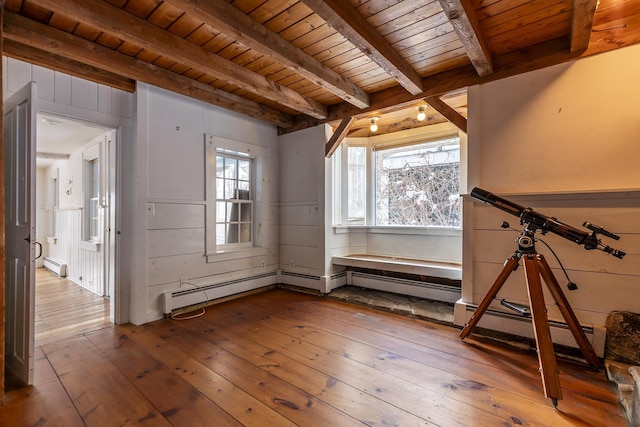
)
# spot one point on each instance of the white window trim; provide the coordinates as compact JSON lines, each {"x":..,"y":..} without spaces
{"x":92,"y":153}
{"x":259,"y":155}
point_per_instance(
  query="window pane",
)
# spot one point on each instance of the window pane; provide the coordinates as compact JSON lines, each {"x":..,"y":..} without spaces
{"x":356,"y":184}
{"x":244,"y":170}
{"x":229,"y":188}
{"x":419,"y":185}
{"x":232,"y":212}
{"x":230,"y":167}
{"x":219,"y":188}
{"x":221,"y":212}
{"x":219,"y":166}
{"x":244,"y":185}
{"x":221,"y":234}
{"x":245,"y":233}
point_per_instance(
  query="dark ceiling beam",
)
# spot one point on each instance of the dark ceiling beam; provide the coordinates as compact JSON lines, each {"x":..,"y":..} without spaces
{"x":338,"y":135}
{"x":346,"y":20}
{"x":124,"y":25}
{"x":228,"y":19}
{"x":452,"y":115}
{"x":463,"y":18}
{"x":39,"y":36}
{"x":74,"y":68}
{"x":582,"y":18}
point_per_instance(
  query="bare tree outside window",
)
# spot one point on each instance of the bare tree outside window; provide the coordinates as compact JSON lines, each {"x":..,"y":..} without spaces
{"x":419,"y":185}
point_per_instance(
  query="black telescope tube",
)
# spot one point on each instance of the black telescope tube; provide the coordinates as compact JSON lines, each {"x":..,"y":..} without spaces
{"x":497,"y":201}
{"x":537,"y":221}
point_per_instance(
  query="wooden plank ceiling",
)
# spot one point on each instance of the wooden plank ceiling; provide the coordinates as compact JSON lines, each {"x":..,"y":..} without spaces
{"x":301,"y":63}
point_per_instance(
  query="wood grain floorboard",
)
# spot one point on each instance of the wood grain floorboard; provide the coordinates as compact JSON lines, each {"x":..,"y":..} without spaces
{"x":281,"y":358}
{"x":65,"y":309}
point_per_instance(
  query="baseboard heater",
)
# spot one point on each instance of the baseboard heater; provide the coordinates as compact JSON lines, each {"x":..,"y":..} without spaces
{"x":433,"y":291}
{"x":198,"y":291}
{"x":57,"y":267}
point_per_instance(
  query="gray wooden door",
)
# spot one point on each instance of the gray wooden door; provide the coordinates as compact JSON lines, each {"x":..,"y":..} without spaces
{"x":19,"y":170}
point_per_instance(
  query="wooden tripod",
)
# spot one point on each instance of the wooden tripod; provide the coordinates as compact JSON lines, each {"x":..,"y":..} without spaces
{"x":535,"y":266}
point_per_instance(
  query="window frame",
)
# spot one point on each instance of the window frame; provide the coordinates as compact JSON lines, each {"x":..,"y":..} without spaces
{"x":340,"y":215}
{"x":259,"y":157}
{"x":92,"y":157}
{"x":228,"y":222}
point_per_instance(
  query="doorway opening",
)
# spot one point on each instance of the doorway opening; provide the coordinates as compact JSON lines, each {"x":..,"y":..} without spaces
{"x":75,"y":196}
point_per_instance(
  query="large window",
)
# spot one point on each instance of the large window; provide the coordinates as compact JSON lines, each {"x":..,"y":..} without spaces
{"x":403,"y":184}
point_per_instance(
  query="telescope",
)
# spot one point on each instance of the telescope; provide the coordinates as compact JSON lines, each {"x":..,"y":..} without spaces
{"x":537,"y":221}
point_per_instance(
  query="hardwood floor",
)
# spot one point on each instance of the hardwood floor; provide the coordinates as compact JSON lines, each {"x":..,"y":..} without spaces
{"x":281,"y":358}
{"x":65,"y":309}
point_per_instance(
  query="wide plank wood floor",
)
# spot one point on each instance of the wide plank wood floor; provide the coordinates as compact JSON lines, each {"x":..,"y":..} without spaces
{"x":65,"y":309}
{"x":282,"y":358}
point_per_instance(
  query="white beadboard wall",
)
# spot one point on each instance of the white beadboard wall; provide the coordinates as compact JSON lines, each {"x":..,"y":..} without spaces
{"x":169,"y":237}
{"x":302,"y":209}
{"x":564,"y":141}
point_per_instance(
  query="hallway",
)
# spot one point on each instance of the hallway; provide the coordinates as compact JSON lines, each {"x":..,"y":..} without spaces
{"x":65,"y":309}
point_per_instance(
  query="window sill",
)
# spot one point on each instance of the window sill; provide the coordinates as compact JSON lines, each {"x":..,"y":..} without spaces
{"x":408,"y":230}
{"x":90,"y":246}
{"x":231,"y":254}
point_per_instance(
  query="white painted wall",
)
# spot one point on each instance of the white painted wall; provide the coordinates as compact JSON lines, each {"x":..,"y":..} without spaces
{"x":563,"y":140}
{"x":302,"y":206}
{"x":169,"y":239}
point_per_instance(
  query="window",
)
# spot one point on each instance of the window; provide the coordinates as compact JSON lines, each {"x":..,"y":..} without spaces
{"x":92,"y":212}
{"x":234,"y":204}
{"x":419,"y":184}
{"x":237,"y":199}
{"x":401,"y":184}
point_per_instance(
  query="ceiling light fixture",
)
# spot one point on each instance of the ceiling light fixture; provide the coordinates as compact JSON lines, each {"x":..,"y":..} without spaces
{"x":421,"y":114}
{"x":50,"y":122}
{"x":374,"y":124}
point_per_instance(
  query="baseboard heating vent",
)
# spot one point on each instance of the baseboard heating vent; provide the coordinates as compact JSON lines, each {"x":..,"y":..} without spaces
{"x":57,"y":267}
{"x":198,"y":291}
{"x":433,"y":291}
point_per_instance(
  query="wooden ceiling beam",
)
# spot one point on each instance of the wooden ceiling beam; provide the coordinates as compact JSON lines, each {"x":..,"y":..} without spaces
{"x":74,"y":68}
{"x":532,"y":58}
{"x":338,"y":135}
{"x":463,"y":18}
{"x":124,"y":25}
{"x":39,"y":36}
{"x":452,"y":115}
{"x":582,"y":18}
{"x":345,"y":19}
{"x":247,"y":31}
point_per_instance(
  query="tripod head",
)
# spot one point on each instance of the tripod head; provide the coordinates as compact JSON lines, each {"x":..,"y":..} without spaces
{"x":536,"y":221}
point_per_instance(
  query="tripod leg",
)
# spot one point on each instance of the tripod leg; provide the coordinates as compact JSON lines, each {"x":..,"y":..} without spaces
{"x":542,"y":332}
{"x":567,"y":313}
{"x":509,"y":266}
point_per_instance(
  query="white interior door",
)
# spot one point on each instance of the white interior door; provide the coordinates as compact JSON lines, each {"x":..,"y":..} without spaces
{"x":20,"y":235}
